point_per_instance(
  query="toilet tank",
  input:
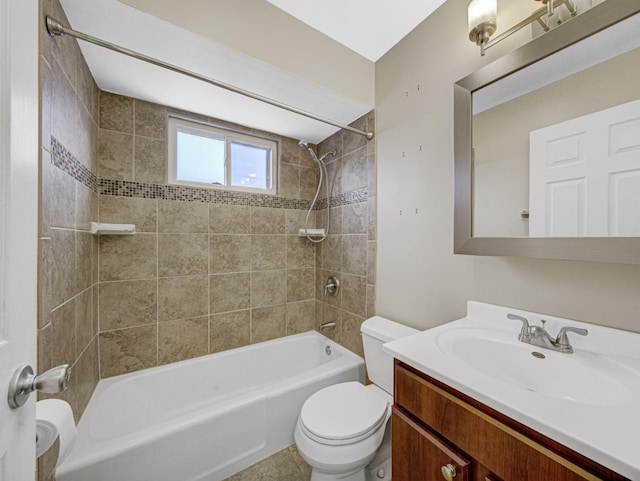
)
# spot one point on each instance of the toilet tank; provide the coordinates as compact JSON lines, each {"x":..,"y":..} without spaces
{"x":375,"y":332}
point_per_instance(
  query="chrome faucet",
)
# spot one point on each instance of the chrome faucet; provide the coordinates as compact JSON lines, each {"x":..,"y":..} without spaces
{"x":539,"y":336}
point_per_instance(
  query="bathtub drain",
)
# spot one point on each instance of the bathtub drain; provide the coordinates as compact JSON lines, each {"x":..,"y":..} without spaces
{"x":327,"y":350}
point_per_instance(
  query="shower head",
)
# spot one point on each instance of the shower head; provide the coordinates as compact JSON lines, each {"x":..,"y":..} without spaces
{"x":304,"y":145}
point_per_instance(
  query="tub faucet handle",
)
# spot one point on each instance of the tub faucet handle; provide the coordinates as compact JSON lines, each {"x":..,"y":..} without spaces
{"x":332,"y":286}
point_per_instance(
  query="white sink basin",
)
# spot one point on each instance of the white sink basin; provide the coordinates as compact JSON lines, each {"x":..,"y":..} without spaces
{"x":587,"y":400}
{"x":582,"y":377}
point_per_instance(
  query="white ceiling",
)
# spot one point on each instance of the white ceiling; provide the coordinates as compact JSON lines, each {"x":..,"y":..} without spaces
{"x":368,"y":27}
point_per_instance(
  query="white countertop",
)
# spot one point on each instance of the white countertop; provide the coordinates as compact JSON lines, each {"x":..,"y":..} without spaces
{"x":606,"y":429}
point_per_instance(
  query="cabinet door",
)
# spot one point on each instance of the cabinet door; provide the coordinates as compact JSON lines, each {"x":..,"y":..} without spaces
{"x":494,"y":446}
{"x":420,"y":455}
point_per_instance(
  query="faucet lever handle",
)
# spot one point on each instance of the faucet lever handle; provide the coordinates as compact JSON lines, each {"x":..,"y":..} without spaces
{"x":525,"y":331}
{"x":563,"y":340}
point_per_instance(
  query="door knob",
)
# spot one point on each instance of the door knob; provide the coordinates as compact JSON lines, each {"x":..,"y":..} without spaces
{"x":448,"y":472}
{"x":24,"y":382}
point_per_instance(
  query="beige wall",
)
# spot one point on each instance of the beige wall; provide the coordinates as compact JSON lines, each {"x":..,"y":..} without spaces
{"x":263,"y":31}
{"x":206,"y":271}
{"x":69,"y":201}
{"x":210,"y":270}
{"x":67,"y":289}
{"x":420,"y":281}
{"x":349,"y":252}
{"x":501,"y":137}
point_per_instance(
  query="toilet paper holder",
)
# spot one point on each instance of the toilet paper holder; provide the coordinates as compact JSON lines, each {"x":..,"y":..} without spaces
{"x":24,"y":382}
{"x":55,"y":422}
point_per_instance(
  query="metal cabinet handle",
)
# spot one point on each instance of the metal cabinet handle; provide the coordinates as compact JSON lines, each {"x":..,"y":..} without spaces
{"x":24,"y":382}
{"x":448,"y":472}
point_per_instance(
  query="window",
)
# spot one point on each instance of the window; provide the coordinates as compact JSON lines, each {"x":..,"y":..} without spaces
{"x":203,"y":155}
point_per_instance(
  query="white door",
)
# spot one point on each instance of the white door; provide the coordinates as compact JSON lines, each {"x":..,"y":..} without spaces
{"x":585,"y":175}
{"x":18,"y":227}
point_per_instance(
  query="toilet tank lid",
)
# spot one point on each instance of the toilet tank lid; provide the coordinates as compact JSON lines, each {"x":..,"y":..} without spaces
{"x":385,"y":330}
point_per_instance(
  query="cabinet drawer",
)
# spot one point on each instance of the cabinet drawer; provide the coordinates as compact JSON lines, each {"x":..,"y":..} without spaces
{"x":506,"y":452}
{"x":420,"y":455}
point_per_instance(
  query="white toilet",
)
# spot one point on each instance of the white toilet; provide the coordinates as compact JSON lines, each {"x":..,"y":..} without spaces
{"x":343,"y":431}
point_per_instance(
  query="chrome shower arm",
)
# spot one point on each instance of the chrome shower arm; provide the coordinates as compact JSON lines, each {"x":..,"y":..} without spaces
{"x":56,"y":29}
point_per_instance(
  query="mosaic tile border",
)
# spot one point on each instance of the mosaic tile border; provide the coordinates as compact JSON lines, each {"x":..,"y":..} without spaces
{"x":125,"y":188}
{"x":352,"y":197}
{"x":65,"y":161}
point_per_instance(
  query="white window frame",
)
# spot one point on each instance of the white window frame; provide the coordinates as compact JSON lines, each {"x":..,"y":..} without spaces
{"x":220,"y":133}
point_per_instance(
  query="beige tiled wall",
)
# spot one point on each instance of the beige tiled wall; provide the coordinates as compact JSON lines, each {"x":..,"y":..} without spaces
{"x":349,"y":252}
{"x":197,"y":277}
{"x":67,"y":323}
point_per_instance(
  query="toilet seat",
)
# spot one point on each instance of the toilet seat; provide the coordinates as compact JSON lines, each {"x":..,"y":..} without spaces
{"x":343,"y":414}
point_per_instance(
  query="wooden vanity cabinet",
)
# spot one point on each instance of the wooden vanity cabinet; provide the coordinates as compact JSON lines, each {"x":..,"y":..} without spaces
{"x":424,"y":454}
{"x":436,"y":427}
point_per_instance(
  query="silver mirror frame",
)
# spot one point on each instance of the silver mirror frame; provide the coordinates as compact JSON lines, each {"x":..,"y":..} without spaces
{"x":625,"y":250}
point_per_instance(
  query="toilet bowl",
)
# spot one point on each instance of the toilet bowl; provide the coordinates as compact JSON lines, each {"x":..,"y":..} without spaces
{"x":343,"y":431}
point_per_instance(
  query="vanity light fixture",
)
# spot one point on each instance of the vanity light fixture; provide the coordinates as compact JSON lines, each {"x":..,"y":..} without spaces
{"x":482,"y":16}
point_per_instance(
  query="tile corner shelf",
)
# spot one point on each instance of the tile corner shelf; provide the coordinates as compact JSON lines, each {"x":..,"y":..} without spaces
{"x":312,"y":232}
{"x":99,"y":228}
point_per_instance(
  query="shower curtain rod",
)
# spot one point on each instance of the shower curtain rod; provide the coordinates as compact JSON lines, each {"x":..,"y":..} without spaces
{"x":56,"y":29}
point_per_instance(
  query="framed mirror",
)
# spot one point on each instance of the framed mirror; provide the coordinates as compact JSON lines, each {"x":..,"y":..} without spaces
{"x":547,"y":144}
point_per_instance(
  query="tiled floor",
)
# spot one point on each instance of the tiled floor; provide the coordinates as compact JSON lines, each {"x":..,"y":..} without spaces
{"x":285,"y":465}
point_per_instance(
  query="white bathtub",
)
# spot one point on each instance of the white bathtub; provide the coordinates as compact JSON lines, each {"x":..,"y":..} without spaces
{"x":205,"y":418}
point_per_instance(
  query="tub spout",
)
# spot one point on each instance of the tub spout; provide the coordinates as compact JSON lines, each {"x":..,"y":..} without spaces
{"x":327,"y":325}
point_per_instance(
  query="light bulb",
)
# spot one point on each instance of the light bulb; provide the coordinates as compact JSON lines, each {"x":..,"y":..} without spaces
{"x":482,"y":16}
